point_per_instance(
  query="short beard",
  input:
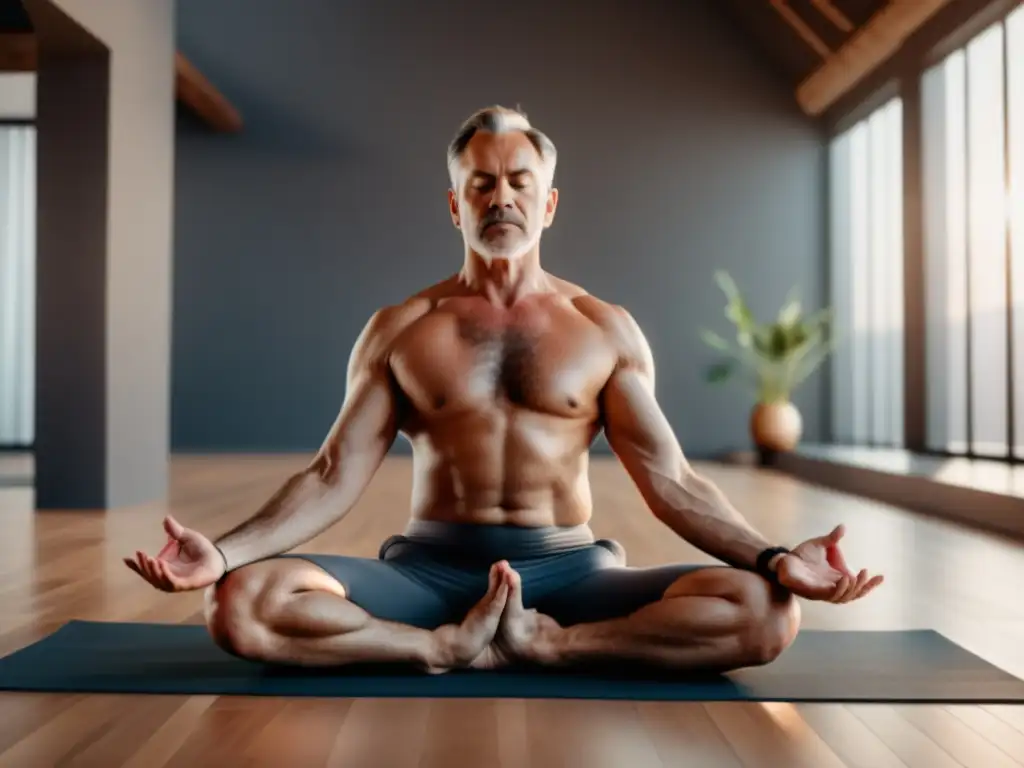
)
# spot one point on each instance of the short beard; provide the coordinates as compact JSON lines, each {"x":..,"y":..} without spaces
{"x":511,"y":252}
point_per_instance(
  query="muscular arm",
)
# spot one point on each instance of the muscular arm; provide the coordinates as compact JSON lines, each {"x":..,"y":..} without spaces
{"x":639,"y":433}
{"x":315,"y":498}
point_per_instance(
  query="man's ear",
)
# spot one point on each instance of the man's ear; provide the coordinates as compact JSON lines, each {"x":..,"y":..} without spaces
{"x":550,"y":207}
{"x":453,"y":208}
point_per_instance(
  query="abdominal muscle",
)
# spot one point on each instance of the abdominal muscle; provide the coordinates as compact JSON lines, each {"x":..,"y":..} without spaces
{"x":508,"y":467}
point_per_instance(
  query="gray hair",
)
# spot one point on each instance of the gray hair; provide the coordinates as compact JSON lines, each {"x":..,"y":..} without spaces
{"x":498,"y":119}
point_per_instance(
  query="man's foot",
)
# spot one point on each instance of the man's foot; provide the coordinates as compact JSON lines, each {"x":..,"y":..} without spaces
{"x":458,"y":645}
{"x":523,"y":635}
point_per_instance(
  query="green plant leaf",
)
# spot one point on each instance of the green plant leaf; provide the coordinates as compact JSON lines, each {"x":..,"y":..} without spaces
{"x":791,"y":309}
{"x":818,"y":322}
{"x":727,"y":284}
{"x":741,"y":316}
{"x":715,"y":341}
{"x":813,"y":361}
{"x":736,"y":309}
{"x":797,"y":334}
{"x":776,"y":357}
{"x":780,"y":343}
{"x":720,"y":372}
{"x":760,"y":342}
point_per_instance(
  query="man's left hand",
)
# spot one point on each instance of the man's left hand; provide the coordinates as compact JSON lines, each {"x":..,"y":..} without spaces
{"x":816,"y":570}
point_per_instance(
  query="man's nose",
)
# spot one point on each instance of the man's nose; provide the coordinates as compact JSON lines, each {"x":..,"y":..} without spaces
{"x":502,"y":196}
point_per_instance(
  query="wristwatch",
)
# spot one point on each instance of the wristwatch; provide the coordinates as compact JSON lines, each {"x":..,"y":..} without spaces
{"x":224,"y":557}
{"x":765,"y":558}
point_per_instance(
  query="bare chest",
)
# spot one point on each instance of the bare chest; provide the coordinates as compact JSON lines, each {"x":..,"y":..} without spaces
{"x":555,"y":364}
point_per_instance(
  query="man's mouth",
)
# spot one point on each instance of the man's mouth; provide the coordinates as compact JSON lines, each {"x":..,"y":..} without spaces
{"x":490,"y":224}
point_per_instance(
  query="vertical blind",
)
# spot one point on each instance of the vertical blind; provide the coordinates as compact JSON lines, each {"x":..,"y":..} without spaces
{"x":973,"y":144}
{"x":17,"y":283}
{"x":866,"y":270}
{"x":972,"y":133}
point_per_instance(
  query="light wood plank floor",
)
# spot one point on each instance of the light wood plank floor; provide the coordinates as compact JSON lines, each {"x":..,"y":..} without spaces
{"x":58,"y":566}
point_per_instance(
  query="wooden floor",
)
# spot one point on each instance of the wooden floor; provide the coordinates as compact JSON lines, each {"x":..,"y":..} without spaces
{"x":59,"y":566}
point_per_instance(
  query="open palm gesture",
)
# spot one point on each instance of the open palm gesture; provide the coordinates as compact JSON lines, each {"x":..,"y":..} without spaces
{"x":816,"y":570}
{"x":189,"y":560}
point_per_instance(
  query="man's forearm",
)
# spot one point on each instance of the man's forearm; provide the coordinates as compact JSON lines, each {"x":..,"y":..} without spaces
{"x":700,"y":513}
{"x":304,"y":506}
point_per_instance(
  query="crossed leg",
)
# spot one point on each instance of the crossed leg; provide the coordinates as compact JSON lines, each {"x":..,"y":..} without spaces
{"x":710,"y":620}
{"x":289,"y":611}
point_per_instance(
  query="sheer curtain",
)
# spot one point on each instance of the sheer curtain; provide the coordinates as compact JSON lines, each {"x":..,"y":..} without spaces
{"x":866,"y":272}
{"x":17,"y":283}
{"x":973,"y":141}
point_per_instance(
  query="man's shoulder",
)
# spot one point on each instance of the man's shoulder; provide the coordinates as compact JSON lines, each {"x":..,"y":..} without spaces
{"x":389,"y":321}
{"x":590,"y":306}
{"x":610,"y":317}
{"x":442,"y":289}
{"x":565,"y":288}
{"x":620,"y":328}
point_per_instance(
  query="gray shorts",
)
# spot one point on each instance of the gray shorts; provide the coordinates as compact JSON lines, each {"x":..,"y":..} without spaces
{"x":433,"y":573}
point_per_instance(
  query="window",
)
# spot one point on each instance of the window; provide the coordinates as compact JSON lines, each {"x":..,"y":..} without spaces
{"x":17,"y":283}
{"x":973,"y":176}
{"x":866,"y":275}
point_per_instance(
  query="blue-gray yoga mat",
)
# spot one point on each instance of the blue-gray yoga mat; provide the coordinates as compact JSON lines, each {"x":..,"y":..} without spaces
{"x":911,"y":666}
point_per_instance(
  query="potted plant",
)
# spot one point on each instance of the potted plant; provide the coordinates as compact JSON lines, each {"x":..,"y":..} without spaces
{"x":773,"y":359}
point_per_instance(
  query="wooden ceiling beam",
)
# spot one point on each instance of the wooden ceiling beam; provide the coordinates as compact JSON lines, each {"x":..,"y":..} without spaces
{"x":202,"y":97}
{"x":808,"y":35}
{"x":192,"y":88}
{"x":867,"y":48}
{"x":828,"y":9}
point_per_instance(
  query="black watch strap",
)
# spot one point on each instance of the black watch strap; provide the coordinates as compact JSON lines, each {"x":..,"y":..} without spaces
{"x":765,"y":557}
{"x":225,"y":559}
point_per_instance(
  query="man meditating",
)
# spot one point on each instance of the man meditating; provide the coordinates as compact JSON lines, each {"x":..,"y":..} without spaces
{"x":501,"y":377}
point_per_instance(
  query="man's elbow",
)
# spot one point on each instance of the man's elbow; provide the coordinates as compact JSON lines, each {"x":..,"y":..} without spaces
{"x":340,"y":473}
{"x":325,"y":468}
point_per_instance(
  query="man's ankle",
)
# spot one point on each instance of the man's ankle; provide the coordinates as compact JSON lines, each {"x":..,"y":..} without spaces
{"x":552,"y":648}
{"x":442,"y":651}
{"x":579,"y":643}
{"x":436,"y":654}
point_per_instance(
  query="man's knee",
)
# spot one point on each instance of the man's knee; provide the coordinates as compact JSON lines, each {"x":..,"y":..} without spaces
{"x":773,"y":632}
{"x":240,"y":610}
{"x":232,"y":611}
{"x":772,"y":617}
{"x":769,"y":617}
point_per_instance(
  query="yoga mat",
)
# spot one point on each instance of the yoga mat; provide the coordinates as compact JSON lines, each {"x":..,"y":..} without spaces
{"x":820,"y":666}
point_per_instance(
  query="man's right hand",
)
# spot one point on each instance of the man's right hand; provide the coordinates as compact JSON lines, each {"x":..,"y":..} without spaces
{"x":188,"y":561}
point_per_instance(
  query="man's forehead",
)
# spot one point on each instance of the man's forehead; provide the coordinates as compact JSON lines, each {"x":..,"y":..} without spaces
{"x":487,"y":151}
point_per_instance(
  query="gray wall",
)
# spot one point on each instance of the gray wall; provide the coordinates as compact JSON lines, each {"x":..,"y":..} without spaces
{"x":679,"y":154}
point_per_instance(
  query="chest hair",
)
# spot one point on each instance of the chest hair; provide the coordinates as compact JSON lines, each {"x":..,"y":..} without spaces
{"x":506,"y":358}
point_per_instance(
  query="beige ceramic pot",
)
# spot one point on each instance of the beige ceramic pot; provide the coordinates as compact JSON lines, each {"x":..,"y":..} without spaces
{"x":776,"y":426}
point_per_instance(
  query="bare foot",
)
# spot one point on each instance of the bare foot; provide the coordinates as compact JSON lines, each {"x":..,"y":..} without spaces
{"x":457,"y":645}
{"x":523,"y":635}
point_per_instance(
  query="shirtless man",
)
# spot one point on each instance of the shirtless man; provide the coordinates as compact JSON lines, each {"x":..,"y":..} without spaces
{"x":501,"y":377}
